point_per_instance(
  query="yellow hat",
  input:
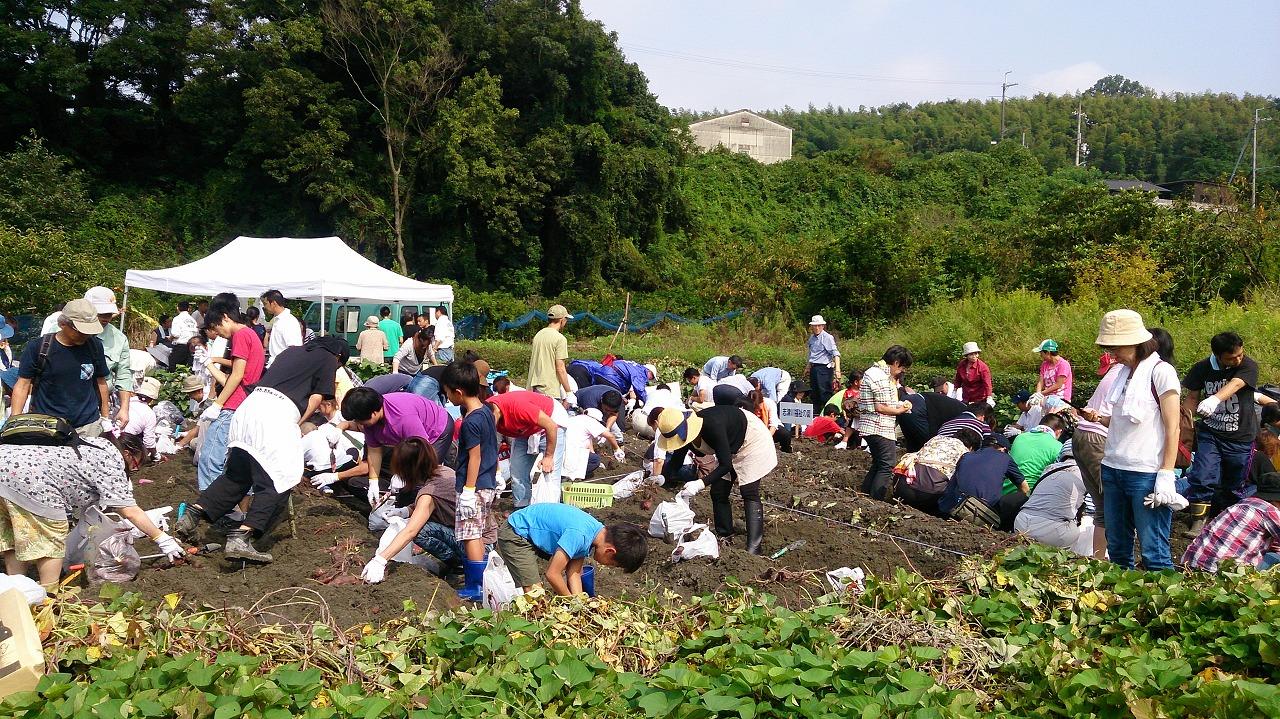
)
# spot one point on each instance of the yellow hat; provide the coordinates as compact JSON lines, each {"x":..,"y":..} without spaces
{"x":677,"y":428}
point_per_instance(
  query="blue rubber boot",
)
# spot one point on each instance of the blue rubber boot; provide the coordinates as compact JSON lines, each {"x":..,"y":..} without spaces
{"x":589,"y":580}
{"x":473,"y":589}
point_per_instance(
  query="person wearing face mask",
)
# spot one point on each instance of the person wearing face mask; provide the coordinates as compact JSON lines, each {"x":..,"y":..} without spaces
{"x":1138,"y":483}
{"x":1220,"y":391}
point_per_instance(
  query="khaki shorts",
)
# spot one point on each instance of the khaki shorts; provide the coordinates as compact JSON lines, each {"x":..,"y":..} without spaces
{"x":482,"y":526}
{"x":520,"y":555}
{"x":29,"y":536}
{"x":1087,"y":448}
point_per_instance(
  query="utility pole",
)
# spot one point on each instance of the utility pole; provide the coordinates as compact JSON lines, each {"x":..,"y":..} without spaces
{"x":1024,"y":137}
{"x":1079,"y":127}
{"x":1253,"y":184}
{"x":1004,"y":85}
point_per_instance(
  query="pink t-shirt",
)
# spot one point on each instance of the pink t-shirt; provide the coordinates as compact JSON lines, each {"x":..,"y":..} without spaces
{"x":245,"y":345}
{"x":1050,"y":371}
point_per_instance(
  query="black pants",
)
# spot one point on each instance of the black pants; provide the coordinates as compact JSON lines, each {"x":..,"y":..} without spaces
{"x":1008,"y":507}
{"x":181,"y":355}
{"x":580,"y":375}
{"x":783,"y":438}
{"x":884,"y":454}
{"x":721,"y":510}
{"x":243,"y":473}
{"x":923,"y":501}
{"x":820,"y":376}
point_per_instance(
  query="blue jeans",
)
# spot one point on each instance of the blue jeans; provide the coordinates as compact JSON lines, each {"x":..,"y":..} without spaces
{"x":425,"y":386}
{"x":1218,"y":464}
{"x":213,"y":449}
{"x":444,"y":355}
{"x":1269,"y":560}
{"x":1122,"y":495}
{"x":438,"y":541}
{"x":522,"y":465}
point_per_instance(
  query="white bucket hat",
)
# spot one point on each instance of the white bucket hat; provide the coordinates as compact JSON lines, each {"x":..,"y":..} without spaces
{"x":970,"y":348}
{"x":817,"y":320}
{"x":1122,"y":328}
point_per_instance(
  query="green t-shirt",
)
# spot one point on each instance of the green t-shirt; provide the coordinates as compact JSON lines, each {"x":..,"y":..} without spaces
{"x":394,"y":333}
{"x":1032,"y":452}
{"x":548,"y":346}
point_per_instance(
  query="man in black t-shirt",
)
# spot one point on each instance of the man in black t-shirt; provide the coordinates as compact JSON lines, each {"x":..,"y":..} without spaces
{"x":1220,"y":390}
{"x":72,"y":384}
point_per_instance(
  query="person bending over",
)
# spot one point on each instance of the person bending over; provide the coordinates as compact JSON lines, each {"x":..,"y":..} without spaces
{"x":565,"y":536}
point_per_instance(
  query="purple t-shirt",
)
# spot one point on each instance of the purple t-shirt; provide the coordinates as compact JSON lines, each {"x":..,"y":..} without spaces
{"x":1051,"y":370}
{"x":407,"y":415}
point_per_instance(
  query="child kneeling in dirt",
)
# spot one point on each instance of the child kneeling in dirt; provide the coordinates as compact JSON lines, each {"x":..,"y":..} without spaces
{"x":565,"y":535}
{"x":434,"y":501}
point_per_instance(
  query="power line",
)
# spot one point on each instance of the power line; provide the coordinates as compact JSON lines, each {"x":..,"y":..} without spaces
{"x":798,"y":71}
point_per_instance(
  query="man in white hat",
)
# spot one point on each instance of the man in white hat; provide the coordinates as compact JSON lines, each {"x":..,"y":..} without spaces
{"x":823,"y":369}
{"x":973,"y":376}
{"x":142,"y":418}
{"x":65,"y":374}
{"x":116,"y":348}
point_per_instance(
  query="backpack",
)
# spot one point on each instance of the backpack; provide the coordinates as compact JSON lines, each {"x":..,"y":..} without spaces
{"x":40,"y":429}
{"x":975,"y":511}
{"x":1186,"y":432}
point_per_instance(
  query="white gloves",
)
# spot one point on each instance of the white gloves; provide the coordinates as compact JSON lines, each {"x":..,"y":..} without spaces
{"x":324,"y":479}
{"x":170,"y":546}
{"x":619,"y":455}
{"x":842,"y":445}
{"x":375,"y":571}
{"x":108,"y":427}
{"x":991,"y":401}
{"x":1036,"y":400}
{"x":468,"y":504}
{"x":211,"y":412}
{"x":690,"y":489}
{"x":372,"y":493}
{"x":1208,"y":406}
{"x":1165,"y":493}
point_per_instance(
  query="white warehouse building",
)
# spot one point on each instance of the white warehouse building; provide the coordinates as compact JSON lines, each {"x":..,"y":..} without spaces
{"x":746,"y":133}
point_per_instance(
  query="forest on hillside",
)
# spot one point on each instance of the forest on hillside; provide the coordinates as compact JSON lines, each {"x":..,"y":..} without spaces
{"x":508,"y":146}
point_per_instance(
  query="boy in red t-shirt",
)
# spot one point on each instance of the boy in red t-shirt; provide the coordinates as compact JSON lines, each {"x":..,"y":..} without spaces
{"x":825,"y":427}
{"x":247,"y":364}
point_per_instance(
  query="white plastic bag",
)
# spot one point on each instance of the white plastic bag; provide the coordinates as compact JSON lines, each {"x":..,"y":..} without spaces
{"x":394,"y":525}
{"x":697,"y":541}
{"x":158,"y":516}
{"x":845,"y":579}
{"x":499,"y":588}
{"x":28,"y":586}
{"x":546,"y":487}
{"x":628,"y":485}
{"x":670,"y":520}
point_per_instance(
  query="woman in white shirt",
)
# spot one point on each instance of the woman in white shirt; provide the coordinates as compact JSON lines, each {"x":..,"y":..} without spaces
{"x":1138,"y":486}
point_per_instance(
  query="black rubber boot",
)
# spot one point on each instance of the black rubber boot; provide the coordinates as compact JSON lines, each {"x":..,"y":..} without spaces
{"x":722,"y":516}
{"x":1194,"y":515}
{"x":755,"y":526}
{"x":238,"y":547}
{"x":187,"y":526}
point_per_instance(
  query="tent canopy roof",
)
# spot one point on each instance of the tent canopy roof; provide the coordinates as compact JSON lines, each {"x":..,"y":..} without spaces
{"x":308,"y":268}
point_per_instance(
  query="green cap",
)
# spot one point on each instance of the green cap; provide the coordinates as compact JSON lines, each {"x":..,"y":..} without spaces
{"x":1047,"y":346}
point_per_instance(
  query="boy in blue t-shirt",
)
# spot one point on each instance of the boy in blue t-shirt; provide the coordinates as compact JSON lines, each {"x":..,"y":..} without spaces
{"x":565,"y":535}
{"x":477,"y":467}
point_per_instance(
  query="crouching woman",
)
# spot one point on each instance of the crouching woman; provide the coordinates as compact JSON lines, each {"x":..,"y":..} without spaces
{"x":45,"y":490}
{"x":430,"y":490}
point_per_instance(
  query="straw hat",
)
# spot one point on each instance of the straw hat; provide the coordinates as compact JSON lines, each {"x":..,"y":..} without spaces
{"x":191,"y":383}
{"x":1122,"y":328}
{"x":149,"y":388}
{"x":371,"y":321}
{"x":970,"y":348}
{"x":677,"y":428}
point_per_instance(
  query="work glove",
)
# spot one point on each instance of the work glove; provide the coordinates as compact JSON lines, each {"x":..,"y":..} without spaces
{"x":372,"y":494}
{"x":324,"y":480}
{"x":690,"y":489}
{"x":468,"y":504}
{"x":1165,"y":493}
{"x":375,"y":571}
{"x":170,"y":546}
{"x":108,"y":427}
{"x":619,"y":455}
{"x":211,"y":412}
{"x":1208,"y":406}
{"x":1036,"y":400}
{"x":1012,"y":431}
{"x":991,"y":401}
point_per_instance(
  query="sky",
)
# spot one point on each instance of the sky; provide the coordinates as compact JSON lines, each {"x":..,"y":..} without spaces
{"x":766,"y":55}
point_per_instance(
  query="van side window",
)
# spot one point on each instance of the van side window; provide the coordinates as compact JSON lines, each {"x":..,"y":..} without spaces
{"x":353,"y":317}
{"x":407,"y":313}
{"x":340,"y":320}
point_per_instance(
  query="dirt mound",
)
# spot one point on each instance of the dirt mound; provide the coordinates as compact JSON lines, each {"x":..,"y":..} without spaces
{"x":811,"y":496}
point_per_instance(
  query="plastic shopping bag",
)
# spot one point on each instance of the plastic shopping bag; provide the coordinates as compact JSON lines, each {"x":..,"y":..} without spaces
{"x":670,"y":520}
{"x":395,"y":524}
{"x":498,"y":588}
{"x":697,"y":541}
{"x":546,"y":487}
{"x":628,"y":485}
{"x":110,"y":555}
{"x":845,"y":579}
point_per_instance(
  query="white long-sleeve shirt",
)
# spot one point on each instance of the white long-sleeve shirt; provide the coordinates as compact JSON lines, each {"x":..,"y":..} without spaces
{"x":286,"y":332}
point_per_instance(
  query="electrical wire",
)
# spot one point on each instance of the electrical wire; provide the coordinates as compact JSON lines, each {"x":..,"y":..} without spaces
{"x":796,"y":71}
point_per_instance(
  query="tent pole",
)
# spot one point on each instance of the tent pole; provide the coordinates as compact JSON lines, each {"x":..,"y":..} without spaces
{"x":124,"y":307}
{"x":322,"y":314}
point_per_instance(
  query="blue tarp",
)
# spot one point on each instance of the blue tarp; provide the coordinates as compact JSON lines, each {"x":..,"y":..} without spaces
{"x":640,"y":321}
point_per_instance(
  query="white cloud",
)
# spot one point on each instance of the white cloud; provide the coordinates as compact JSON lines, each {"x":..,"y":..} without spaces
{"x":1069,"y":79}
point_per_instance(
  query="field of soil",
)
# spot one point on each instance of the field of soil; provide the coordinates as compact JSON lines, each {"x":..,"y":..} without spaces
{"x":810,"y":497}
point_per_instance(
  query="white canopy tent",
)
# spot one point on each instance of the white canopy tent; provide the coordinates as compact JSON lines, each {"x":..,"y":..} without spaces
{"x":309,"y":268}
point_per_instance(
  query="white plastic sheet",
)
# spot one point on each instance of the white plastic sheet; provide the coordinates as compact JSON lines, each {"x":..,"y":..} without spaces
{"x":696,"y":542}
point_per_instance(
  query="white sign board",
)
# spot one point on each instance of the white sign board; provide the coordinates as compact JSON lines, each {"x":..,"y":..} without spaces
{"x":798,"y":413}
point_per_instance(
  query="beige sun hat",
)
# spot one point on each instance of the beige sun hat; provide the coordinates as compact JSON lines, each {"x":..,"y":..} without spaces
{"x":1122,"y":328}
{"x":970,"y":348}
{"x":149,"y":388}
{"x":371,"y":321}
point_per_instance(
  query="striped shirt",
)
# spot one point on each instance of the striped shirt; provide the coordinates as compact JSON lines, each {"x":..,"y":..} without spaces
{"x":877,"y":388}
{"x":822,"y":348}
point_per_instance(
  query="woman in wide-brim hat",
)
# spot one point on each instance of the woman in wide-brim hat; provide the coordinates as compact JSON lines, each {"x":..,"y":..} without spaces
{"x":744,"y":453}
{"x":1138,"y":486}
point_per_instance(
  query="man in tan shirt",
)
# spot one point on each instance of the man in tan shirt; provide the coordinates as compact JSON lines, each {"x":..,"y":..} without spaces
{"x":547,"y":373}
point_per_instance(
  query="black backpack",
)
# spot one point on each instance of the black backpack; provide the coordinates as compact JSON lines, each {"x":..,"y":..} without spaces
{"x":41,"y":430}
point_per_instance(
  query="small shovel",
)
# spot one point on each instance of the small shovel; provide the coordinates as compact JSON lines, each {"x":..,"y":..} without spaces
{"x":190,"y":551}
